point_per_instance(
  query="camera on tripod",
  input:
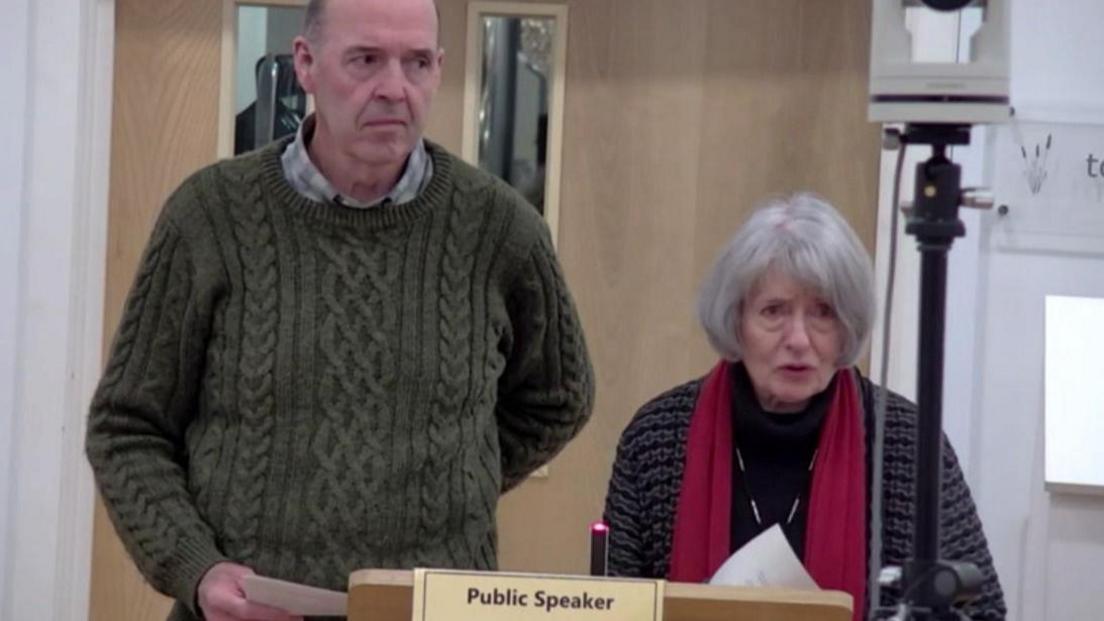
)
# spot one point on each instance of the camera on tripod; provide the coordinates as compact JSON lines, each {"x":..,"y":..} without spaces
{"x":937,"y":102}
{"x":904,"y":90}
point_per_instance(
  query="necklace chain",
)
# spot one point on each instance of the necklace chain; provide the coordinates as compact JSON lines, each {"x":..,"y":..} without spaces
{"x":751,"y":498}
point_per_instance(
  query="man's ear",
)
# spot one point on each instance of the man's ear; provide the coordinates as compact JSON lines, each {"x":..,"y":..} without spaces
{"x":304,"y":63}
{"x":440,"y":68}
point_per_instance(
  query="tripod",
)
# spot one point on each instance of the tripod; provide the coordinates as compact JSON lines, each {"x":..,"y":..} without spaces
{"x":930,"y":585}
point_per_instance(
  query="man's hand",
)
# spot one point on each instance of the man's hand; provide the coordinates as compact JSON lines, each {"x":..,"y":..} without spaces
{"x":222,"y":598}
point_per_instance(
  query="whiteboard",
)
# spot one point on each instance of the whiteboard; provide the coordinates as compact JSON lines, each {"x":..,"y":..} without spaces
{"x":1074,"y":394}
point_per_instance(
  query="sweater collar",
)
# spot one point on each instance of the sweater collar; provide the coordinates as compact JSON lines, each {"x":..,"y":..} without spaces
{"x":308,"y":180}
{"x":435,"y":194}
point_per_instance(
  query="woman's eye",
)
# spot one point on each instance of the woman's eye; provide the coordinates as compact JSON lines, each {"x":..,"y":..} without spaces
{"x":824,"y":311}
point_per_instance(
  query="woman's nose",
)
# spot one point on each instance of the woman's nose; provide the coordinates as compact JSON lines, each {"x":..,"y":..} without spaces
{"x":797,"y":334}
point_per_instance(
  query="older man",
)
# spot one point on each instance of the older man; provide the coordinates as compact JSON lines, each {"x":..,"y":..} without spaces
{"x":339,"y":350}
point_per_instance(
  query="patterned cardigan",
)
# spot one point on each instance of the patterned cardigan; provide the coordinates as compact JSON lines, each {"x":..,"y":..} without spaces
{"x":647,"y":477}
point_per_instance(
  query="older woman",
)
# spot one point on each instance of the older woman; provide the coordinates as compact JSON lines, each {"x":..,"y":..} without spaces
{"x":777,"y":432}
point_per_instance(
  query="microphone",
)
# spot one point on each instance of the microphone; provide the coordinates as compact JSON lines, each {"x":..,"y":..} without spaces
{"x":599,"y":549}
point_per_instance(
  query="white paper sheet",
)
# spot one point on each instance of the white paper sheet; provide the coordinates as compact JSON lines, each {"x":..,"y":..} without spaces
{"x":297,"y":599}
{"x":768,"y":560}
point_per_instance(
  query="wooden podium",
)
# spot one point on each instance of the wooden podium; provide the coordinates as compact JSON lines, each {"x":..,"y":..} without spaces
{"x":387,"y":595}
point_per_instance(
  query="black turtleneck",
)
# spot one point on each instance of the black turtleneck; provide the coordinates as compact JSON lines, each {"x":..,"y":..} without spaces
{"x":777,"y":449}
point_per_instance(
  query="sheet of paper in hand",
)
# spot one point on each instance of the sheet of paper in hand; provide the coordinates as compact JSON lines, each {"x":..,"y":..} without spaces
{"x":768,"y":560}
{"x":297,"y":599}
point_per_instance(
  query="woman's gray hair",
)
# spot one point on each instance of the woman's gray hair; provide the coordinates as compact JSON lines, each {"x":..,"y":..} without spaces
{"x":805,"y":238}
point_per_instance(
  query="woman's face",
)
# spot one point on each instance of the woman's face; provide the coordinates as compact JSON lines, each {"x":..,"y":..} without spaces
{"x":791,"y":342}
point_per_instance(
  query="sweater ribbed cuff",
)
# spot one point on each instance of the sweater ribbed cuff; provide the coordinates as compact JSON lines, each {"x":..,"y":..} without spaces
{"x":193,"y":559}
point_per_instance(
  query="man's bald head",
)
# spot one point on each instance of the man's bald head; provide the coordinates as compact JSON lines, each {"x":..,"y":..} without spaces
{"x":315,"y":15}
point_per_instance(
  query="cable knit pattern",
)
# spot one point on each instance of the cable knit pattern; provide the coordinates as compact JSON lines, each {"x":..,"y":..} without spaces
{"x":134,"y":413}
{"x":256,"y":401}
{"x":157,"y":535}
{"x":128,"y":326}
{"x":207,"y":436}
{"x":358,"y":373}
{"x":448,"y":412}
{"x":309,"y":389}
{"x":647,"y":477}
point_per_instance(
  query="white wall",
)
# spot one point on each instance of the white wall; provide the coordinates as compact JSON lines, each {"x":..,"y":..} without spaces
{"x":53,"y":186}
{"x":1048,"y":548}
{"x":1056,"y":53}
{"x":13,"y":72}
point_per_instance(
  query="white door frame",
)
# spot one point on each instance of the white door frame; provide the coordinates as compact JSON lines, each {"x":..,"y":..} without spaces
{"x":62,"y":156}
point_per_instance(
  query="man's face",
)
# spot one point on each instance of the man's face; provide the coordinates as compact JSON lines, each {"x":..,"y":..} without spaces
{"x":373,"y":68}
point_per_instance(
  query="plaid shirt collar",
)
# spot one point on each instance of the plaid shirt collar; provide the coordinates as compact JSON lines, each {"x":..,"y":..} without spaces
{"x":305,"y":177}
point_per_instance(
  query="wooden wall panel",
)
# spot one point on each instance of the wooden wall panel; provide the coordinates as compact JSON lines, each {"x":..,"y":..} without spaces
{"x":680,"y":117}
{"x":785,"y":109}
{"x":631,"y":151}
{"x":164,"y":127}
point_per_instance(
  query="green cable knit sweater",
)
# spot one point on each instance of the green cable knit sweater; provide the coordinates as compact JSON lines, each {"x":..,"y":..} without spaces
{"x":310,"y":389}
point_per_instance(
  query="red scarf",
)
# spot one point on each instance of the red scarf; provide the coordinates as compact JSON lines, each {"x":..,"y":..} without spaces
{"x":835,"y":532}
